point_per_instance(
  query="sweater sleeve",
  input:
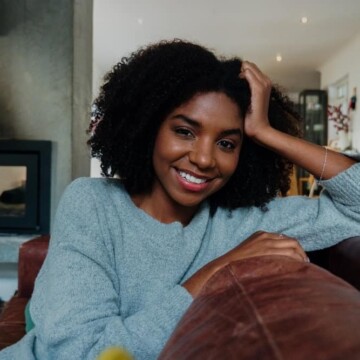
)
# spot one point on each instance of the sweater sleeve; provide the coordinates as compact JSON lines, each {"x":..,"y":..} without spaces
{"x":76,"y":303}
{"x":317,"y":222}
{"x":323,"y":222}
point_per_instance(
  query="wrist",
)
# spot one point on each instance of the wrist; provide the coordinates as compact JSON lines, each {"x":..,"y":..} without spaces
{"x":196,"y":282}
{"x":265,"y":136}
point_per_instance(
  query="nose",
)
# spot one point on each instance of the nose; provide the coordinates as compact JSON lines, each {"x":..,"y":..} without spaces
{"x":202,"y":155}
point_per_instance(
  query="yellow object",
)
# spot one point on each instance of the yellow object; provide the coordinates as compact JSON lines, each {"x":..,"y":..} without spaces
{"x":115,"y":353}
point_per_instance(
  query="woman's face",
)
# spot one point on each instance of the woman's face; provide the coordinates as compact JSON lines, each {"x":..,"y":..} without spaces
{"x":196,"y":150}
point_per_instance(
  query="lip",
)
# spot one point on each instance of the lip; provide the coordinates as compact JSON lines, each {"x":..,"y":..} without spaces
{"x":192,"y":186}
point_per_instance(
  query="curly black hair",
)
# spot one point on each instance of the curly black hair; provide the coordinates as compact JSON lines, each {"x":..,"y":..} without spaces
{"x":142,"y":89}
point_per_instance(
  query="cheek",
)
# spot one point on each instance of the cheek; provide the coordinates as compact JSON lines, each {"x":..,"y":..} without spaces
{"x":230,"y":165}
{"x":168,"y":147}
{"x":161,"y":144}
{"x":166,"y":151}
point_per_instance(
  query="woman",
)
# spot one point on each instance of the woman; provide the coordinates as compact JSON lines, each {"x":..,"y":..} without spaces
{"x":201,"y":150}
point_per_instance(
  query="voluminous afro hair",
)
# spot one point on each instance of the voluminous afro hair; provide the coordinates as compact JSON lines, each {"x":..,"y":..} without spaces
{"x":142,"y":89}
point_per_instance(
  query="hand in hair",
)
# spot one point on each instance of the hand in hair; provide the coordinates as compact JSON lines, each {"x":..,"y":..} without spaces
{"x":256,"y":119}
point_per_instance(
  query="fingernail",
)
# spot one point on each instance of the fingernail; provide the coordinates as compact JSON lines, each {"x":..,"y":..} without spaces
{"x":307,"y":259}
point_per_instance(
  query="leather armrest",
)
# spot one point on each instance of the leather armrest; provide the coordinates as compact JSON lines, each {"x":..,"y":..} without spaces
{"x":269,"y":307}
{"x":32,"y":254}
{"x":12,"y":321}
{"x":344,"y":260}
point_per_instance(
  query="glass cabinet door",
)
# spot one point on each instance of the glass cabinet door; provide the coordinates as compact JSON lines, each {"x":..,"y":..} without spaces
{"x":313,"y":109}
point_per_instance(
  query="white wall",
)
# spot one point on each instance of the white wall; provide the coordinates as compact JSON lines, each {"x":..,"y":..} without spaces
{"x":122,"y":26}
{"x":228,"y":27}
{"x":45,"y":81}
{"x":346,"y":63}
{"x":36,"y":80}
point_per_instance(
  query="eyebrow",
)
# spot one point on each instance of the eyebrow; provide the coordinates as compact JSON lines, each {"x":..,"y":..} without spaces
{"x":197,"y":124}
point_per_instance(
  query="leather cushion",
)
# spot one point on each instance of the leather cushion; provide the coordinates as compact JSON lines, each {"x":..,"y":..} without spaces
{"x":12,"y":321}
{"x":270,"y":307}
{"x":31,"y":257}
{"x":344,"y":260}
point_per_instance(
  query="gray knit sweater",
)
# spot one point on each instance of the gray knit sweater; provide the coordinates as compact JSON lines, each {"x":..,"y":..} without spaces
{"x":113,"y":274}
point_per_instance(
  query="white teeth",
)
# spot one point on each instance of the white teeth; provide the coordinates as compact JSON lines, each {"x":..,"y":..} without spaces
{"x":191,"y":178}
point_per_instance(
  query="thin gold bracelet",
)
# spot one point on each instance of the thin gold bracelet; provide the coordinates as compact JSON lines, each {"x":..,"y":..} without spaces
{"x":324,"y":164}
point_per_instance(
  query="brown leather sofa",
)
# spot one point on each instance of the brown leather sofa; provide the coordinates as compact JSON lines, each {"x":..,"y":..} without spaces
{"x":12,"y":319}
{"x":270,"y":308}
{"x":342,"y":259}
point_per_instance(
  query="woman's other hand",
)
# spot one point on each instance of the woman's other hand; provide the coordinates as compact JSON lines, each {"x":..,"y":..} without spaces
{"x":260,"y":243}
{"x":265,"y":243}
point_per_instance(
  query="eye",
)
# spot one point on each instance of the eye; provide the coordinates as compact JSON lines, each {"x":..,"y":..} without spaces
{"x":226,"y":145}
{"x":184,"y":132}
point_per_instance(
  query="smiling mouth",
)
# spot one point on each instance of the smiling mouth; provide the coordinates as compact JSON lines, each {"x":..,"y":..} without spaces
{"x":192,"y":179}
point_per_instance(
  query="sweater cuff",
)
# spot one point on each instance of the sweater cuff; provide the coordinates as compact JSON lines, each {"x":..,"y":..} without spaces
{"x":344,"y":187}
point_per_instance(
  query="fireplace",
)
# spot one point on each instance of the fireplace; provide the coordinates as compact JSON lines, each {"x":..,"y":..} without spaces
{"x":25,"y":173}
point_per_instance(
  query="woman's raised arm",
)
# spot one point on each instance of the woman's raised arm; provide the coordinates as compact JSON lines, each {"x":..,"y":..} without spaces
{"x":319,"y":161}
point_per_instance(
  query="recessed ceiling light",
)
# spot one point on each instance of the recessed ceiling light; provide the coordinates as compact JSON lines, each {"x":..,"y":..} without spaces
{"x":140,"y":21}
{"x":278,"y":58}
{"x":304,"y":19}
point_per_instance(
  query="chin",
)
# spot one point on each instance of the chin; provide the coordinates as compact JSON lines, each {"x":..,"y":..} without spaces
{"x":190,"y":202}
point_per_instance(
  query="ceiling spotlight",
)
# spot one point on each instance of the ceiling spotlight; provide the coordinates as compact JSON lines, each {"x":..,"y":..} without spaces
{"x":278,"y":58}
{"x":304,"y":19}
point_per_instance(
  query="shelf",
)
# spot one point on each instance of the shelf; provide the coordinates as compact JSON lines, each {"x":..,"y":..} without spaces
{"x":9,"y":246}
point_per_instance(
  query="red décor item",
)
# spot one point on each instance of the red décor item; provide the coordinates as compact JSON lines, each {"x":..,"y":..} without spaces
{"x":341,"y":120}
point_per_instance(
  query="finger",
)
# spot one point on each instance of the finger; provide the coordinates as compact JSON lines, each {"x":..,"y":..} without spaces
{"x":289,"y":241}
{"x":284,"y":241}
{"x":260,"y":89}
{"x":279,"y":236}
{"x":294,"y":247}
{"x":290,"y":252}
{"x":261,"y":235}
{"x":249,"y":66}
{"x":251,"y":75}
